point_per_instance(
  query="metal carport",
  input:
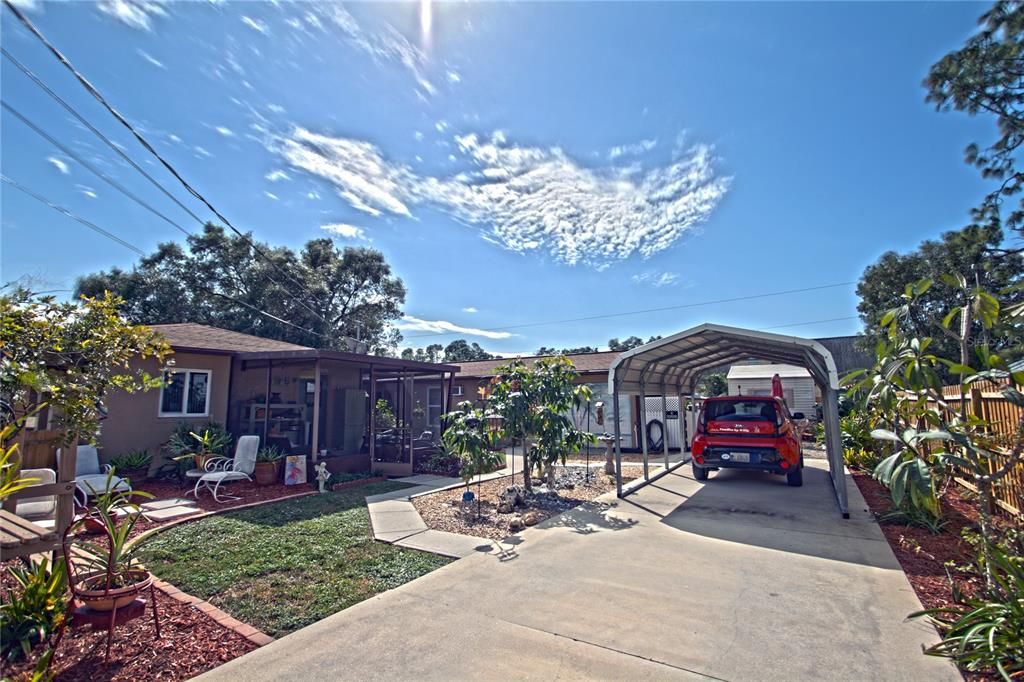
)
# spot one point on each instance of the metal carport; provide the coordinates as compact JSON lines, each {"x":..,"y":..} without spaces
{"x":675,"y":363}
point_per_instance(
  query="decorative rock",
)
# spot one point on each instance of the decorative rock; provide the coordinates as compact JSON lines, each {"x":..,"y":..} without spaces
{"x":531,"y":519}
{"x":516,"y":524}
{"x":504,"y":508}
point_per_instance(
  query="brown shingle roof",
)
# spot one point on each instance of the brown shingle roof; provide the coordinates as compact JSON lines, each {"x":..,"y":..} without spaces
{"x":585,"y":362}
{"x":192,"y":336}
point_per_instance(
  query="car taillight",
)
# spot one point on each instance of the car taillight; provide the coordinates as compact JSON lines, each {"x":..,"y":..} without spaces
{"x":783,"y":463}
{"x":699,"y":459}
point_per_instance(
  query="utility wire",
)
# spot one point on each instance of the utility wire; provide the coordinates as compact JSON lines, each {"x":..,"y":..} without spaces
{"x":120,"y":188}
{"x":92,"y":169}
{"x":804,"y":324}
{"x":81,"y":119}
{"x":91,"y":89}
{"x":129,"y":245}
{"x":69,"y":214}
{"x":648,"y":310}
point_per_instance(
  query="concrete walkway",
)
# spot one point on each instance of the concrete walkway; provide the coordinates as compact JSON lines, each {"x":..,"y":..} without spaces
{"x":741,"y":578}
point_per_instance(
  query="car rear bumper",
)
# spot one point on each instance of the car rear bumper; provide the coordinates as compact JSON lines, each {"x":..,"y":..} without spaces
{"x":759,"y":459}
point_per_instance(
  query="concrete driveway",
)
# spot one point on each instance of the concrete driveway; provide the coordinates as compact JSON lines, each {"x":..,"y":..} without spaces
{"x":742,"y":578}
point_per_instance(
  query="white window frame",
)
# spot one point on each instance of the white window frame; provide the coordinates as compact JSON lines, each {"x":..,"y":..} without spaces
{"x":184,"y":399}
{"x":458,"y":390}
{"x":439,"y":405}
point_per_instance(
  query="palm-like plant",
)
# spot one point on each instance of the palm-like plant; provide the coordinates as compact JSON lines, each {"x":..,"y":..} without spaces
{"x":466,"y":435}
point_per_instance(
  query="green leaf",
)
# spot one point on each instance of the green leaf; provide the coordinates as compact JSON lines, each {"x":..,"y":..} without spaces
{"x":950,"y":316}
{"x":882,"y":434}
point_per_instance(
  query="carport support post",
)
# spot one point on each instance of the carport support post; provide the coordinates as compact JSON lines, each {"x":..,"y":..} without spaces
{"x":643,"y":425}
{"x":664,"y":423}
{"x":618,"y":439}
{"x":835,"y":449}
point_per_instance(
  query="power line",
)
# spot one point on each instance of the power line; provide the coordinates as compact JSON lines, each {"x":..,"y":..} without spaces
{"x":129,"y":245}
{"x":804,"y":324}
{"x":98,"y":173}
{"x":648,"y":310}
{"x":81,"y":119}
{"x":35,"y":79}
{"x":69,"y":214}
{"x":91,"y":89}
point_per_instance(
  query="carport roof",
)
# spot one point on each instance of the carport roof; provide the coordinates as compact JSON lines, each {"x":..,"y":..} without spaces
{"x":678,"y":360}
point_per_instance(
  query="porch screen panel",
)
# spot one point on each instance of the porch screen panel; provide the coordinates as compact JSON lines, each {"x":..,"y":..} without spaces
{"x":173,"y":392}
{"x":198,"y":384}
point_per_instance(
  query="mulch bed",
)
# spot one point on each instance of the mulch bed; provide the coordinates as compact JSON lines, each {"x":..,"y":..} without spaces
{"x":921,"y":553}
{"x":446,"y":511}
{"x":191,"y":643}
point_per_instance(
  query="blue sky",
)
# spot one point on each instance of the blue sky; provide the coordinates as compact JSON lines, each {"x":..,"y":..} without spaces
{"x":515,"y":162}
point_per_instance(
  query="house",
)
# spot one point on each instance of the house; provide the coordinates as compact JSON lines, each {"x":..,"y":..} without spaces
{"x":304,"y":400}
{"x":756,"y":379}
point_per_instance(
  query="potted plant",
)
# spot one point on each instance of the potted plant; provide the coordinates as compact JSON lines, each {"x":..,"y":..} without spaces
{"x":106,"y":504}
{"x":268,"y":465}
{"x":107,"y":575}
{"x":133,"y":465}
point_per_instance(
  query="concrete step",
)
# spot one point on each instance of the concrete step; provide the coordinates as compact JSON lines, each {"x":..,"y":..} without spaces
{"x":164,"y":504}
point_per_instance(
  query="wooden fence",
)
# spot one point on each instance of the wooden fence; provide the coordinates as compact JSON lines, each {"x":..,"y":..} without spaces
{"x":985,"y":400}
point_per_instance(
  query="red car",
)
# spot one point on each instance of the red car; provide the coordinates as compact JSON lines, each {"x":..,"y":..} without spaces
{"x":748,"y":432}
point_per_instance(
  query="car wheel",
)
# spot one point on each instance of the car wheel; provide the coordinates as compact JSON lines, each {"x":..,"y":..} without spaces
{"x":795,"y":478}
{"x":699,"y":473}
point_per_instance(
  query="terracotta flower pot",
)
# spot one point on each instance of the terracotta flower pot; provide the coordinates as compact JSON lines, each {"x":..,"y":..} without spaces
{"x":90,"y":590}
{"x":267,"y":473}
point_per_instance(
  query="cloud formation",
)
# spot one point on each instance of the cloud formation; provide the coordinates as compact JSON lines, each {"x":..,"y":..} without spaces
{"x":470,"y":309}
{"x":151,"y":59}
{"x":277,"y":175}
{"x":656,"y":279}
{"x":525,"y":198}
{"x":345,"y":231}
{"x":410,"y":323}
{"x":59,"y":164}
{"x":256,"y":24}
{"x":137,"y":14}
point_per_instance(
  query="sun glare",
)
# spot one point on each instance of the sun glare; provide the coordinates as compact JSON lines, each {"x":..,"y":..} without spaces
{"x":426,"y":19}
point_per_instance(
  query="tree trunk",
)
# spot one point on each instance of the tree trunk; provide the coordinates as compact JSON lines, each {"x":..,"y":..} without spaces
{"x":527,"y":482}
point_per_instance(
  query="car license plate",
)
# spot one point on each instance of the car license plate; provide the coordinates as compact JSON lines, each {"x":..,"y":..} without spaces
{"x":740,"y":456}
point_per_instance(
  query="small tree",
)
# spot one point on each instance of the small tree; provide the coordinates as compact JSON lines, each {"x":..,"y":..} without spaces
{"x":466,"y":435}
{"x":69,"y":355}
{"x":512,"y":397}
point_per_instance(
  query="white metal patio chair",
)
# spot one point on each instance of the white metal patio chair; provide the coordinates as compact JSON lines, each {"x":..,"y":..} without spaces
{"x":90,"y":478}
{"x":222,"y":470}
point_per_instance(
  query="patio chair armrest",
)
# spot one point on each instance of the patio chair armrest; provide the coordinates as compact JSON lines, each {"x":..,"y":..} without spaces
{"x":217,"y":464}
{"x":107,"y":468}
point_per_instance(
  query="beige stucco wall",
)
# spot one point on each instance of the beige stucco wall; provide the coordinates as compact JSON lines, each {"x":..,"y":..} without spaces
{"x":134,"y":421}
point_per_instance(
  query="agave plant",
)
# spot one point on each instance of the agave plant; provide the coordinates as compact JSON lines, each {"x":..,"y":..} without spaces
{"x":35,"y":611}
{"x":115,"y":562}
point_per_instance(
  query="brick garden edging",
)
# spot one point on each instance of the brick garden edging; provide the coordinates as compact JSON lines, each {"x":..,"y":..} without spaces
{"x":220,"y":617}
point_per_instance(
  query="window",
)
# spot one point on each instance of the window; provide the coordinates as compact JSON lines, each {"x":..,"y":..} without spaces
{"x":185,"y":393}
{"x":434,"y":406}
{"x":459,"y":390}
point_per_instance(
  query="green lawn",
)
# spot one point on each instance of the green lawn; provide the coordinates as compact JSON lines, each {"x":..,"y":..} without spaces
{"x":282,"y":566}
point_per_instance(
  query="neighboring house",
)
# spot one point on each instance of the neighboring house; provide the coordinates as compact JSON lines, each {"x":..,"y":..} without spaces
{"x":303,"y":400}
{"x":756,"y":379}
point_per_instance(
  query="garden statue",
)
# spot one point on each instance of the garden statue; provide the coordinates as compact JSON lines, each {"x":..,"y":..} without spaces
{"x":322,"y":474}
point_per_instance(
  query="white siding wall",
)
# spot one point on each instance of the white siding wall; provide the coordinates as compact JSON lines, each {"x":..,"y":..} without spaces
{"x":800,"y":388}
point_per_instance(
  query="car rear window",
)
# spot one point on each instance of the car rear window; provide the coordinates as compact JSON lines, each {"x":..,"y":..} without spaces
{"x":740,"y":410}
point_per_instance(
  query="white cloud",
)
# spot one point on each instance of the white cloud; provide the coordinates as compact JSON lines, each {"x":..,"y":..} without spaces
{"x":410,"y":323}
{"x":174,"y":138}
{"x":346,"y":231}
{"x":225,"y":131}
{"x":454,"y":77}
{"x":470,"y":309}
{"x":632,"y":149}
{"x":441,"y":126}
{"x":151,"y":59}
{"x":387,"y":46}
{"x":314,"y":195}
{"x":270,"y":195}
{"x":527,"y":198}
{"x":256,"y":24}
{"x":276,"y":175}
{"x":417,"y":135}
{"x":135,"y":13}
{"x":202,"y":152}
{"x":86,"y":190}
{"x":59,"y":164}
{"x":27,"y":5}
{"x":656,"y":279}
{"x":276,"y":108}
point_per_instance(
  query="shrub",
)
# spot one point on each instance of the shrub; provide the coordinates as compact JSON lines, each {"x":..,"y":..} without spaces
{"x":986,"y":632}
{"x":182,"y":442}
{"x":35,"y":610}
{"x":864,"y":460}
{"x":269,"y":453}
{"x":136,"y":459}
